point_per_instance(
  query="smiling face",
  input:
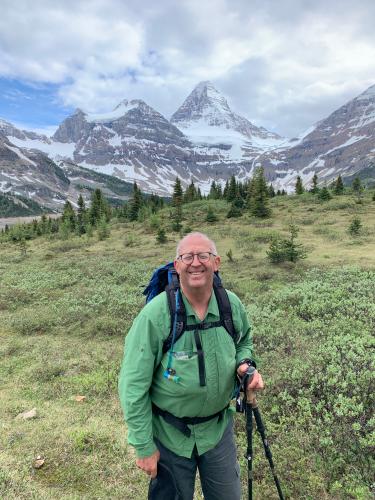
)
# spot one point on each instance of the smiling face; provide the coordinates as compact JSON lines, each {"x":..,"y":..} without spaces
{"x":197,"y":275}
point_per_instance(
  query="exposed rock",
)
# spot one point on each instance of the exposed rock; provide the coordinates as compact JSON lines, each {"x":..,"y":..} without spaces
{"x":27,"y":415}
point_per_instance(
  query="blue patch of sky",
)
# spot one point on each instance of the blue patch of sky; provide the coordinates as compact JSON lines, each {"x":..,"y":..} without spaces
{"x":37,"y":105}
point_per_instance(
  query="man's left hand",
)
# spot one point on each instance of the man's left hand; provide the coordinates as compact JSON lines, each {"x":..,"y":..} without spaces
{"x":256,"y":383}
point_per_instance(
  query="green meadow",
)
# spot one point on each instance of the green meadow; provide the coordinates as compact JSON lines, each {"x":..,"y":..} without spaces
{"x":67,"y":303}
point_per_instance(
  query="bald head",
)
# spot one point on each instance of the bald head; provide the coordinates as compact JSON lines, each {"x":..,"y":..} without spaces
{"x":195,"y":236}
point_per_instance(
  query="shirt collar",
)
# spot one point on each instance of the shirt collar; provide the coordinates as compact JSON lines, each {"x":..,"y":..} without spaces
{"x":212,"y":310}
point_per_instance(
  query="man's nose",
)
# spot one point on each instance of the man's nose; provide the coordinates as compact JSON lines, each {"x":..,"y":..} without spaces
{"x":197,"y":262}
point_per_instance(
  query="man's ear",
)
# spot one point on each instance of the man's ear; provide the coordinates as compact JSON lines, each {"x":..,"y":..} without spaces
{"x":176,"y":265}
{"x":217,"y":262}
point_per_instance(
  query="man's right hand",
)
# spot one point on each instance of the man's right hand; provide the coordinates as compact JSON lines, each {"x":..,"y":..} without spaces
{"x":149,"y":464}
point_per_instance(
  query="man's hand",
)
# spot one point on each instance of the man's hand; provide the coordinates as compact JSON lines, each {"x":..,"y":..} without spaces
{"x":149,"y":464}
{"x":256,"y":383}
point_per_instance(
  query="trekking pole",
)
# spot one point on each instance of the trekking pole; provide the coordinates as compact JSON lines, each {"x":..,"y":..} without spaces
{"x":252,"y":407}
{"x":249,"y":451}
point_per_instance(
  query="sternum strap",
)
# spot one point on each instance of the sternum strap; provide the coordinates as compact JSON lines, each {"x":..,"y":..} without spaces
{"x":201,"y":365}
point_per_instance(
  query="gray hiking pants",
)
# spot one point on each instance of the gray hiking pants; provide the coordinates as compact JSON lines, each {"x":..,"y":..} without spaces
{"x":218,"y":470}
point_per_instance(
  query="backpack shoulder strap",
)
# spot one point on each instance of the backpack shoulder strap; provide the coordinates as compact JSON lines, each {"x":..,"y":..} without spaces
{"x":225,"y":308}
{"x":172,"y":289}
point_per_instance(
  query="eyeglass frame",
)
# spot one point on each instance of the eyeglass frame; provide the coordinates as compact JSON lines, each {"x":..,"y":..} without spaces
{"x":196,"y":254}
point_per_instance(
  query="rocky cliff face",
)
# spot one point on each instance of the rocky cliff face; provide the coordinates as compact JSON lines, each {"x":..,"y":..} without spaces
{"x":343,"y":143}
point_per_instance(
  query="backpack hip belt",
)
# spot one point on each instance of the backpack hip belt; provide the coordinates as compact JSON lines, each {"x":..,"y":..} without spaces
{"x":181,"y":423}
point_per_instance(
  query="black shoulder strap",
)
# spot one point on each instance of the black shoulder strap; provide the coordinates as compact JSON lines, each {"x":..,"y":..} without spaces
{"x":223,"y":303}
{"x":172,"y":289}
{"x":225,"y":308}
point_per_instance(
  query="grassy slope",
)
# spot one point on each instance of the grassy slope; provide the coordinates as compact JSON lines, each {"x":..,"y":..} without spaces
{"x":67,"y":304}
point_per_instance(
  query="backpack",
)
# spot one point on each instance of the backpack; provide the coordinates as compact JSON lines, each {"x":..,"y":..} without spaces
{"x":165,"y":278}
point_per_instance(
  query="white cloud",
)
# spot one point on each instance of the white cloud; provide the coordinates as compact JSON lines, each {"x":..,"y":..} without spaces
{"x":284,"y":65}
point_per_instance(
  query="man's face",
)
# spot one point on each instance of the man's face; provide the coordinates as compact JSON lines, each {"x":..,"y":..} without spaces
{"x":196,"y":275}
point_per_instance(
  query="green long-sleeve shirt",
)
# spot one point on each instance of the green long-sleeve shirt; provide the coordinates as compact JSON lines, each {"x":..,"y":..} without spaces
{"x":142,"y":382}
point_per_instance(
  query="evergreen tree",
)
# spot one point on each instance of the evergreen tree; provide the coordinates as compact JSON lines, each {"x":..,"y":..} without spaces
{"x":211,"y":216}
{"x":355,"y":227}
{"x":271,"y":191}
{"x":190,"y":193}
{"x":161,"y":237}
{"x":234,"y":212}
{"x":213,"y":191}
{"x":286,"y":249}
{"x":199,"y":194}
{"x":232,"y":190}
{"x":357,"y":188}
{"x":177,"y":199}
{"x":219,"y":191}
{"x":68,"y":217}
{"x":103,"y":228}
{"x":373,"y":196}
{"x":178,"y":193}
{"x":259,"y":195}
{"x":99,"y":207}
{"x":177,"y":218}
{"x":226,"y":189}
{"x":81,"y":215}
{"x":314,"y":188}
{"x":136,"y":203}
{"x":324,"y":194}
{"x":299,"y":186}
{"x":339,"y":186}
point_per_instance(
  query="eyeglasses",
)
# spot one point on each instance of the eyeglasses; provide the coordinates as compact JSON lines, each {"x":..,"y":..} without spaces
{"x":187,"y":258}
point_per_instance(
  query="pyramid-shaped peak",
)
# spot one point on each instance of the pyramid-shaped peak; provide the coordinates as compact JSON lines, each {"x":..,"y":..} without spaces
{"x":126,"y":105}
{"x":203,"y":101}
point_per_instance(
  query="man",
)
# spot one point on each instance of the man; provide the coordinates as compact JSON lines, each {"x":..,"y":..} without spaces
{"x":200,"y":386}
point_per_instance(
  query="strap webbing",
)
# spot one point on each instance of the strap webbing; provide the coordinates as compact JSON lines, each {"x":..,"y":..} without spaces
{"x":201,"y":365}
{"x":181,"y":423}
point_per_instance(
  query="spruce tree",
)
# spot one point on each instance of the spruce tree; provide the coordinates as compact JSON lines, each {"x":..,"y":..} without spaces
{"x":286,"y":249}
{"x":136,"y":203}
{"x":212,"y":195}
{"x":271,"y":191}
{"x":259,"y":195}
{"x":190,"y":193}
{"x":314,"y":188}
{"x":339,"y":186}
{"x":355,"y":227}
{"x":68,"y":217}
{"x":81,"y":215}
{"x":324,"y":194}
{"x":161,"y":236}
{"x":357,"y":189}
{"x":299,"y":186}
{"x":234,"y":211}
{"x":226,"y":189}
{"x":211,"y":216}
{"x":99,"y":207}
{"x":178,"y":193}
{"x":232,"y":190}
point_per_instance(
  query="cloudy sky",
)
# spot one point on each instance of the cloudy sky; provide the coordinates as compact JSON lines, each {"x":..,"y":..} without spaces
{"x":284,"y":64}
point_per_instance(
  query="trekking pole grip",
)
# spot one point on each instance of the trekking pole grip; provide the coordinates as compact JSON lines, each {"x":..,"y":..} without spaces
{"x":250,"y":393}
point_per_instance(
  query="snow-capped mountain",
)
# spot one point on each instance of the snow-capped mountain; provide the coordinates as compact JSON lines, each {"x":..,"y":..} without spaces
{"x":203,"y":141}
{"x":136,"y":143}
{"x":205,"y":112}
{"x":30,"y":173}
{"x":343,"y":143}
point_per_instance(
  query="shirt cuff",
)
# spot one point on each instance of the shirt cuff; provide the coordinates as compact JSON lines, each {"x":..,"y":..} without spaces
{"x":145,"y":450}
